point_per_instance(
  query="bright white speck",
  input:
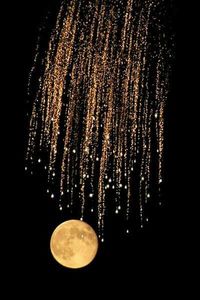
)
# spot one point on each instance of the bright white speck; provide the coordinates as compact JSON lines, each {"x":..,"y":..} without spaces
{"x":81,"y":218}
{"x":92,"y":209}
{"x":120,"y":185}
{"x":88,"y":176}
{"x":102,"y":240}
{"x":60,"y":207}
{"x":125,"y":174}
{"x":148,"y":195}
{"x":97,"y":158}
{"x":134,"y":161}
{"x":147,"y":219}
{"x":160,"y":180}
{"x":113,"y":187}
{"x":116,"y":211}
{"x":90,"y":195}
{"x":45,"y":167}
{"x":132,"y":169}
{"x":156,"y":115}
{"x":119,"y":207}
{"x":67,"y":191}
{"x":125,"y":187}
{"x":52,"y":196}
{"x":67,"y":205}
{"x":75,"y":185}
{"x":25,"y":168}
{"x":47,"y":190}
{"x":106,"y":177}
{"x":109,"y":180}
{"x":62,"y":193}
{"x":127,"y":231}
{"x":54,"y":174}
{"x":142,"y":178}
{"x":74,"y":151}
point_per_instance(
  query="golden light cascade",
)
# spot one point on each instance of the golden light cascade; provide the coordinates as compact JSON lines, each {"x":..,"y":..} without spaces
{"x":101,"y":98}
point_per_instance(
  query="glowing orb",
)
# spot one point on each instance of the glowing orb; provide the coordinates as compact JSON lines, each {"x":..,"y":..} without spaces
{"x":74,"y":244}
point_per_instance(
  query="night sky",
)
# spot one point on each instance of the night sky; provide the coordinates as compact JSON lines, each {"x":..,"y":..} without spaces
{"x":150,"y":259}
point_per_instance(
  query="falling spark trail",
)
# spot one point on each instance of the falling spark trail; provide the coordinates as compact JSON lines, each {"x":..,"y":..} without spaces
{"x":100,"y":97}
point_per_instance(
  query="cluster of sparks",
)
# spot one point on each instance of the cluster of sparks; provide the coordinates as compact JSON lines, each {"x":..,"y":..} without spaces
{"x":101,"y":98}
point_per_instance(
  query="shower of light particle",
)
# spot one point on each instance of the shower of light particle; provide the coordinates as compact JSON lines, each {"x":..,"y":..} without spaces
{"x":100,"y":98}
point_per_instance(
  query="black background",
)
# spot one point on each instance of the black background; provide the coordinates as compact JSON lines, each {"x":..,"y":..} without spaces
{"x":154,"y":260}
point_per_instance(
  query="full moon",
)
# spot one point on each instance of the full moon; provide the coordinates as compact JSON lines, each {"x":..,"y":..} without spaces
{"x":74,"y":244}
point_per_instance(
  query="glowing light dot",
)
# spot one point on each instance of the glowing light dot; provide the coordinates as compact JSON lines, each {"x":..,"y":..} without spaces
{"x":54,"y":174}
{"x":156,"y":115}
{"x":102,"y":240}
{"x":47,"y":190}
{"x":60,"y":207}
{"x":116,"y":211}
{"x":113,"y":187}
{"x":52,"y":196}
{"x":132,"y":169}
{"x":142,"y":178}
{"x":160,"y":180}
{"x":127,"y":231}
{"x":119,"y":207}
{"x":97,"y":158}
{"x":147,"y":219}
{"x":92,"y":210}
{"x":125,"y":187}
{"x":75,"y":185}
{"x":148,"y":195}
{"x":120,"y":185}
{"x":45,"y":167}
{"x":87,"y":150}
{"x":81,"y":218}
{"x":39,"y":160}
{"x":25,"y":168}
{"x":90,"y":195}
